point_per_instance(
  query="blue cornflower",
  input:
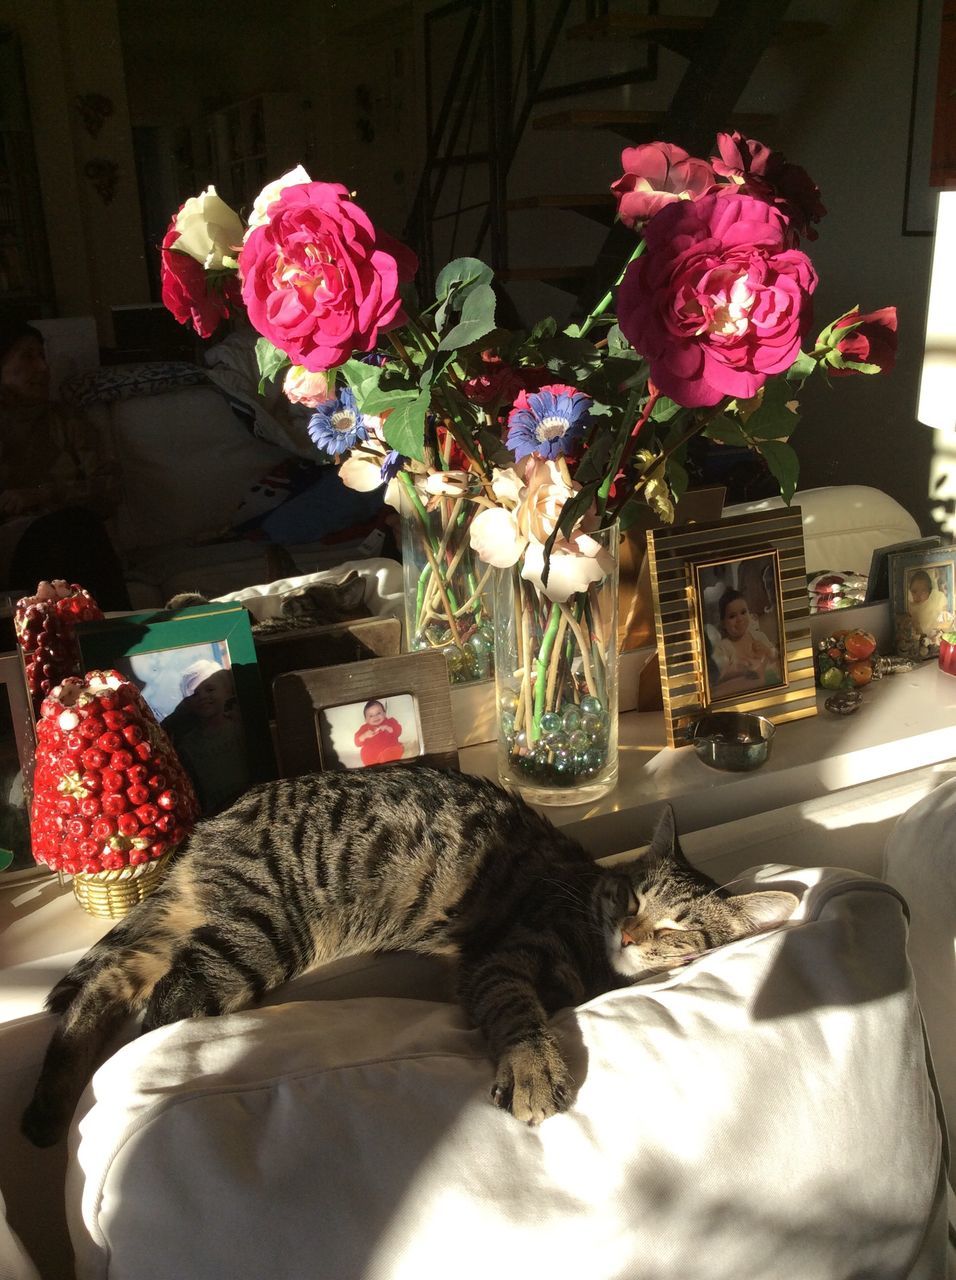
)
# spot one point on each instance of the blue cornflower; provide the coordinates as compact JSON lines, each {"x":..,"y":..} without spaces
{"x":337,"y":425}
{"x":393,"y":463}
{"x":547,"y":422}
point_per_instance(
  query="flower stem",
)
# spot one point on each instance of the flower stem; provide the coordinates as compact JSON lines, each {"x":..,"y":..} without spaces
{"x":605,"y":302}
{"x":542,"y":664}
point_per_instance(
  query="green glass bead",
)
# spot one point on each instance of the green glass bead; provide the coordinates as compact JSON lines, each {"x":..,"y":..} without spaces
{"x":572,"y":718}
{"x":594,"y":759}
{"x":594,"y":723}
{"x":557,"y":741}
{"x":508,"y":700}
{"x":478,"y":644}
{"x":418,"y":643}
{"x":508,"y":724}
{"x":590,"y":704}
{"x":521,"y":739}
{"x":487,"y":630}
{"x":579,"y":741}
{"x":551,"y":722}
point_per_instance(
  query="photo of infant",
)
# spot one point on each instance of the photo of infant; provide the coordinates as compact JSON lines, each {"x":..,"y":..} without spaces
{"x":191,"y":691}
{"x":929,"y":598}
{"x":741,"y":625}
{"x":376,"y":731}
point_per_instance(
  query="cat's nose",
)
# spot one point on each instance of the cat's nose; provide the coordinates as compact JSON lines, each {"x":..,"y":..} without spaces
{"x":632,"y":932}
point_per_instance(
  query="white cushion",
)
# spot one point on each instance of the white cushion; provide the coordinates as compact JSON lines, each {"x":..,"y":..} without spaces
{"x":843,"y":524}
{"x":186,"y":462}
{"x":766,"y":1112}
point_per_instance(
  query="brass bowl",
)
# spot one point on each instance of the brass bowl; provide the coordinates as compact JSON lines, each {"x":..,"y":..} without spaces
{"x":732,"y":740}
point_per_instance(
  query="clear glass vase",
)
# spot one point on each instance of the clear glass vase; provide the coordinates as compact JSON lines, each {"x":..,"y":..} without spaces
{"x":448,"y":590}
{"x":556,"y":683}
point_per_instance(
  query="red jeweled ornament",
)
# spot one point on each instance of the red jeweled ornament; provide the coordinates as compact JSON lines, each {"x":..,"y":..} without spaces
{"x":44,"y":624}
{"x":85,"y":822}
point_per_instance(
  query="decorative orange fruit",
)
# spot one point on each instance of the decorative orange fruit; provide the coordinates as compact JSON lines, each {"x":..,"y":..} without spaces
{"x":859,"y":644}
{"x":860,"y":672}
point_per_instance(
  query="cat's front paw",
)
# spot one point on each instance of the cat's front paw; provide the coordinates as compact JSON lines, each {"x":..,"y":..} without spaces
{"x":532,"y":1082}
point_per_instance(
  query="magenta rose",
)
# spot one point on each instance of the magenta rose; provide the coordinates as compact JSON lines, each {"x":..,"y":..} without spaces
{"x":187,"y":291}
{"x":718,"y":302}
{"x":318,"y":280}
{"x":755,"y":170}
{"x":873,"y":341}
{"x":656,"y":174}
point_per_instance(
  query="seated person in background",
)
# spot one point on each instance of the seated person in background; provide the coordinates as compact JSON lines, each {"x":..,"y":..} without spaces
{"x":744,"y":656}
{"x":58,"y":482}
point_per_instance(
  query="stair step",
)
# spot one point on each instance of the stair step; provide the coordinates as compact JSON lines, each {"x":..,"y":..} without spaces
{"x":676,"y":33}
{"x":640,"y":125}
{"x":599,"y":205}
{"x":564,"y":277}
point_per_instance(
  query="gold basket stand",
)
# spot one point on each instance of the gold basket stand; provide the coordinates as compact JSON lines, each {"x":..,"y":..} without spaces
{"x":110,"y":895}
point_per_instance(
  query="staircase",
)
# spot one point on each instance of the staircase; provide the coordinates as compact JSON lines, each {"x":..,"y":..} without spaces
{"x":530,"y":79}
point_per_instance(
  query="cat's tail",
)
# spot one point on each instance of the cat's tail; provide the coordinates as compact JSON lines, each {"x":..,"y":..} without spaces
{"x":111,"y":982}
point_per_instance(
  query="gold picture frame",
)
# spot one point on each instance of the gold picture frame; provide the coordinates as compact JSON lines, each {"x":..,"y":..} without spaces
{"x":684,"y":562}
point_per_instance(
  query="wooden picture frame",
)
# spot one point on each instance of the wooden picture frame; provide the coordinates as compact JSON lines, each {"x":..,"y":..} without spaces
{"x":304,"y":648}
{"x":684,"y":561}
{"x":179,"y":660}
{"x":17,"y":748}
{"x":321,"y":713}
{"x":933,"y":609}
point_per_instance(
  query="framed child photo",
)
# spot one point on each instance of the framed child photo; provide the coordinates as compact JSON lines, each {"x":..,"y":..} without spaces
{"x":362,"y":714}
{"x":923,"y":599}
{"x":17,"y":746}
{"x":739,"y":621}
{"x":732,"y":619}
{"x":197,"y":671}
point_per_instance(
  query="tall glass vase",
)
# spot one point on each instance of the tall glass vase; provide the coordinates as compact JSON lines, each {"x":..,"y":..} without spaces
{"x":556,"y":683}
{"x":448,"y":590}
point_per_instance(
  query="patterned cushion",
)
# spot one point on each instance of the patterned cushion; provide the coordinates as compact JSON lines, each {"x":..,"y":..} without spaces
{"x":122,"y":381}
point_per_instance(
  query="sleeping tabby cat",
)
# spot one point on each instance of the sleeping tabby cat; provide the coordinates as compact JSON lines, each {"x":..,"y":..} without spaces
{"x":307,"y":869}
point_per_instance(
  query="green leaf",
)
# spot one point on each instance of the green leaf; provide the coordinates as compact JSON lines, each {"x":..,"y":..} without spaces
{"x":545,"y":328}
{"x":837,"y":360}
{"x":477,"y":319}
{"x":363,"y":380}
{"x":664,"y":410}
{"x":773,"y":420}
{"x":784,"y":465}
{"x":404,"y":427}
{"x":562,"y":354}
{"x":271,"y":361}
{"x":455,"y":281}
{"x":725,"y":431}
{"x":802,"y":368}
{"x":634,"y":509}
{"x":678,"y":478}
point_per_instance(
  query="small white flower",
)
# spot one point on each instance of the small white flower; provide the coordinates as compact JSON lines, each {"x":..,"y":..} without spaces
{"x":209,"y":230}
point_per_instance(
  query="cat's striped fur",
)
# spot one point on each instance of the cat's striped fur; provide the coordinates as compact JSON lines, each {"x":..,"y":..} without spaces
{"x":405,"y":857}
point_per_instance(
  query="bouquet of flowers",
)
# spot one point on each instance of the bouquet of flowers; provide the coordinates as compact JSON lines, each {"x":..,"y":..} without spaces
{"x":524,"y":448}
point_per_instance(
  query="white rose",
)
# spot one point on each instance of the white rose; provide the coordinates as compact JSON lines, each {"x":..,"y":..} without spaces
{"x":574,"y":565}
{"x":209,"y":230}
{"x":296,"y":177}
{"x":494,"y":537}
{"x":302,"y":386}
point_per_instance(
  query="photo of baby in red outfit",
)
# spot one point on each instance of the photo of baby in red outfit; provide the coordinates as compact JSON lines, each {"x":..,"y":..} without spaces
{"x":378,"y":731}
{"x":378,"y":738}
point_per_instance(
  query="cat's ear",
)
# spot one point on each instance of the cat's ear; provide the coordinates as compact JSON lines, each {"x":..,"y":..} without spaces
{"x":664,"y":843}
{"x":766,"y":910}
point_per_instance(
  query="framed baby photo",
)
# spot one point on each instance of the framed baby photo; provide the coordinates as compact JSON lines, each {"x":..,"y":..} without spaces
{"x":738,"y":619}
{"x":878,"y":578}
{"x":17,"y":746}
{"x":363,"y":714}
{"x":197,"y":671}
{"x":732,"y":618}
{"x":923,"y":599}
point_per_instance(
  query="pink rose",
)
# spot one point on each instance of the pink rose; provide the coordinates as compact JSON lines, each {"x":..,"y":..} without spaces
{"x":872,"y":342}
{"x":655,"y":175}
{"x":186,"y":290}
{"x":318,"y":280}
{"x":755,"y":170}
{"x":718,"y":302}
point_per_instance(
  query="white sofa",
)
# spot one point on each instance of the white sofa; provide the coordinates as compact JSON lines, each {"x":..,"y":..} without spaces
{"x":192,"y":469}
{"x":768,"y":1112}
